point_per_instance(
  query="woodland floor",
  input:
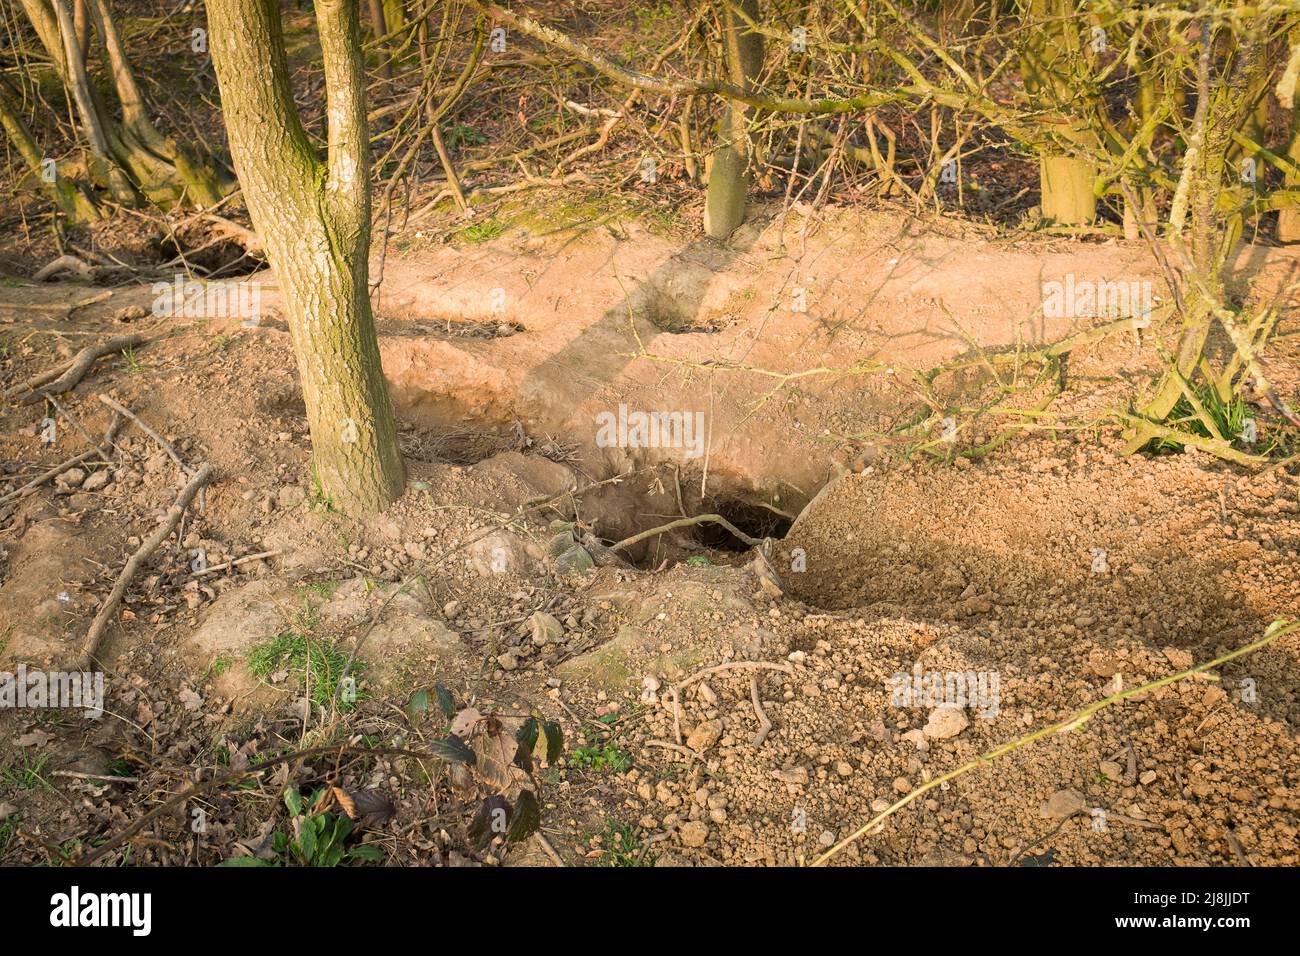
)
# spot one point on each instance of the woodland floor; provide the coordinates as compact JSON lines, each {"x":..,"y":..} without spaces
{"x":500,"y":353}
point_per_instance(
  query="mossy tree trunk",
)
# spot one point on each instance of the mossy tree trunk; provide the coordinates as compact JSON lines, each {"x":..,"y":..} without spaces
{"x":730,"y":163}
{"x":314,"y":218}
{"x":128,"y":156}
{"x":70,"y":196}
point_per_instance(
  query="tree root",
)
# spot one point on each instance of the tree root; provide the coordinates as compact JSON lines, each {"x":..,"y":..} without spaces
{"x":66,"y":377}
{"x":764,"y":724}
{"x":686,"y":523}
{"x":66,"y":263}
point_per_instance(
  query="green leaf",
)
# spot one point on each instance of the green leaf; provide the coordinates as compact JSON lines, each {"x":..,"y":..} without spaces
{"x":293,"y":800}
{"x":527,"y":818}
{"x":453,"y":750}
{"x":418,"y":705}
{"x":245,"y":861}
{"x":554,"y":740}
{"x":446,"y":703}
{"x":367,"y":852}
{"x":307,"y":838}
{"x":527,"y":735}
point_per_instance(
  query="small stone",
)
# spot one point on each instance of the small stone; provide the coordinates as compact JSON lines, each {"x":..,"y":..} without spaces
{"x":945,"y":722}
{"x":704,"y":736}
{"x":509,"y":660}
{"x":1147,"y":776}
{"x":694,"y":833}
{"x":827,"y":838}
{"x":450,"y":610}
{"x":1063,"y":803}
{"x":290,"y":496}
{"x":576,"y":558}
{"x":844,"y":768}
{"x":794,"y":776}
{"x":72,"y":478}
{"x":1111,"y":770}
{"x":96,"y":481}
{"x":546,"y":629}
{"x":917,"y":737}
{"x":902,"y":785}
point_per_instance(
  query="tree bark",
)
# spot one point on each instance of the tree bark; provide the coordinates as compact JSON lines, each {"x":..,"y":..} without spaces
{"x":129,"y":156}
{"x":1066,"y":178}
{"x":729,"y":167}
{"x":1288,"y":220}
{"x":314,"y":219}
{"x":67,"y":194}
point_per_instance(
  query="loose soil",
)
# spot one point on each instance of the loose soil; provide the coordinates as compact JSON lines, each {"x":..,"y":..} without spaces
{"x":499,"y":357}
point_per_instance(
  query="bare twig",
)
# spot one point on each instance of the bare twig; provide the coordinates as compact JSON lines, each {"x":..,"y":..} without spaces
{"x":94,"y":636}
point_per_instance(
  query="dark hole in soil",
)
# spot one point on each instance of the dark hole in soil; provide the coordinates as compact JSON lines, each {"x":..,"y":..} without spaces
{"x":218,"y":260}
{"x":755,"y":520}
{"x":455,"y":445}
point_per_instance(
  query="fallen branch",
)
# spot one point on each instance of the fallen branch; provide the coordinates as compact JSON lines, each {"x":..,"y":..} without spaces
{"x":94,"y":636}
{"x":60,"y":468}
{"x":250,"y":241}
{"x":67,"y":376}
{"x":67,"y":264}
{"x":104,"y":778}
{"x":548,"y":849}
{"x":686,"y":752}
{"x":230,"y":564}
{"x":166,"y":446}
{"x":736,"y":665}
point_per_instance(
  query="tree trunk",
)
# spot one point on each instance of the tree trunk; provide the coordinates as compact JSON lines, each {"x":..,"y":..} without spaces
{"x":379,"y":23}
{"x":1288,"y":220}
{"x":729,"y":167}
{"x":66,"y":193}
{"x":314,"y":218}
{"x":1066,"y":178}
{"x":129,"y":157}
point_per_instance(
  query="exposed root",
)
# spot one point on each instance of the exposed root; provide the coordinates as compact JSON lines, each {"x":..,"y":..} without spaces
{"x":66,"y":377}
{"x":764,"y":724}
{"x":687,"y":523}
